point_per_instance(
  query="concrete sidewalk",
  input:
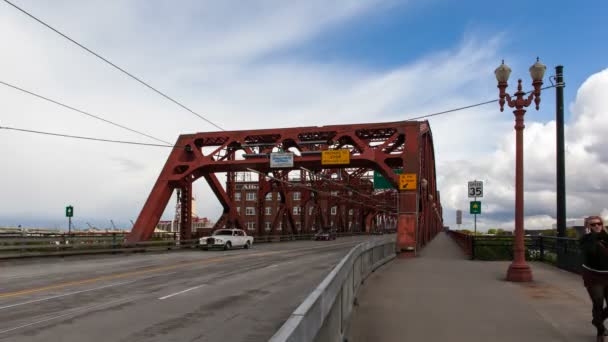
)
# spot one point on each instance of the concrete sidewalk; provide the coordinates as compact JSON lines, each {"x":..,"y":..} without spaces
{"x":443,"y":296}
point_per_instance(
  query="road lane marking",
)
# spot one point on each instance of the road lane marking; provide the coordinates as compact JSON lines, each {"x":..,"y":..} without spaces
{"x":160,"y":269}
{"x":124,"y":275}
{"x":65,"y":294}
{"x":180,"y":292}
{"x":76,"y":311}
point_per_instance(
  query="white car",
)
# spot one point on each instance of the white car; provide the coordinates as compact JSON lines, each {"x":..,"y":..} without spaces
{"x":226,"y":239}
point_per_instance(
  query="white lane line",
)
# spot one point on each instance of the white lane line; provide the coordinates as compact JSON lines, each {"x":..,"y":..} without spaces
{"x":65,"y":294}
{"x":180,"y":292}
{"x":76,"y":311}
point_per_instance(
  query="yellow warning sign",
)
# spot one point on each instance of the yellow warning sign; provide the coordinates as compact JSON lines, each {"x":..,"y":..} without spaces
{"x":335,"y":157}
{"x":407,"y":181}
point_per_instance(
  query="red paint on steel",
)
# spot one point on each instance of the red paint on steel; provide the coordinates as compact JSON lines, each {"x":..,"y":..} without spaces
{"x":405,"y":145}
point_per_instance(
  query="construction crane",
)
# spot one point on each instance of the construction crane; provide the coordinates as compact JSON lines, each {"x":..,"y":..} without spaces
{"x":90,"y":227}
{"x":132,"y":223}
{"x":113,"y":226}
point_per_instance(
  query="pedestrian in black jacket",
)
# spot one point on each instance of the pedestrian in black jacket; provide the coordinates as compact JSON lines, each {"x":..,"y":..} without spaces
{"x":594,"y":245}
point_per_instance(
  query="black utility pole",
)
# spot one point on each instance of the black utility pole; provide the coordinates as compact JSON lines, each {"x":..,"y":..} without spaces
{"x":561,"y":163}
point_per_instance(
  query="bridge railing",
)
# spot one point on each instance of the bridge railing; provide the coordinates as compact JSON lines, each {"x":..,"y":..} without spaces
{"x":325,"y":314}
{"x":16,"y":246}
{"x":564,"y":253}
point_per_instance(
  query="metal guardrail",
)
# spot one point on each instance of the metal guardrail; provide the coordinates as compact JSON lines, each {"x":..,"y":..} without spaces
{"x":59,"y":245}
{"x":564,"y":253}
{"x":325,"y":314}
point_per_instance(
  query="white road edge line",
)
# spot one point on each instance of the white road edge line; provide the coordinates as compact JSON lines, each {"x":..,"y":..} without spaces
{"x":180,"y":292}
{"x":65,"y":294}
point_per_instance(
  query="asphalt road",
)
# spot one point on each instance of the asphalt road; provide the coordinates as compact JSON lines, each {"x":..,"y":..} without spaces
{"x":238,"y":295}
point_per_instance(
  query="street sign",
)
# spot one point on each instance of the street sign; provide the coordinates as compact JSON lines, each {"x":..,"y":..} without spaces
{"x":335,"y":157}
{"x":475,"y":189}
{"x":281,"y":160}
{"x":475,"y":207}
{"x":458,"y":216}
{"x":407,"y":181}
{"x":382,"y":183}
{"x":69,"y":211}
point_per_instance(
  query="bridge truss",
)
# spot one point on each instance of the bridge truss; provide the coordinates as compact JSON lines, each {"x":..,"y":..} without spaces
{"x":389,"y":148}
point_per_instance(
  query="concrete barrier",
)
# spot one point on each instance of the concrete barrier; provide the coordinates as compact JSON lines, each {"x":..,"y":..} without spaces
{"x":325,"y":314}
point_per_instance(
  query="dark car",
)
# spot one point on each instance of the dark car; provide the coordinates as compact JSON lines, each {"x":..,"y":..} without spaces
{"x":326,"y":234}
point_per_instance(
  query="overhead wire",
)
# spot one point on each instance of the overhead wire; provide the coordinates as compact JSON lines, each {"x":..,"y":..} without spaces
{"x":83,"y":112}
{"x":467,"y":107}
{"x":115,"y":66}
{"x":170,"y":145}
{"x":84,"y":138}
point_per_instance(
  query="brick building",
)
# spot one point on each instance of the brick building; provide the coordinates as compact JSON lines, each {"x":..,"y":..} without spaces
{"x":260,"y":216}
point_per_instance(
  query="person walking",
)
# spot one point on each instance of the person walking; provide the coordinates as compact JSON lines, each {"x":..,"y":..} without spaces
{"x":594,"y":245}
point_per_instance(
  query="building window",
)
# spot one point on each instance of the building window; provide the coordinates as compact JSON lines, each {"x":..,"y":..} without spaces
{"x":351,"y":211}
{"x":298,"y":225}
{"x":268,"y":225}
{"x":280,"y":227}
{"x":238,"y":210}
{"x":297,"y":196}
{"x":269,"y":196}
{"x":237,"y":196}
{"x":250,"y":225}
{"x":250,"y":211}
{"x":297,"y":210}
{"x":268,"y":211}
{"x":251,"y":196}
{"x":334,"y":211}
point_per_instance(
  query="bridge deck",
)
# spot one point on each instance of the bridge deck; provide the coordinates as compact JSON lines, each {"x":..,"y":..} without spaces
{"x":441,"y":295}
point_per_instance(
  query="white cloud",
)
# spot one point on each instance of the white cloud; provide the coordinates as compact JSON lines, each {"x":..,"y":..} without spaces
{"x":227,"y":60}
{"x":586,"y":167}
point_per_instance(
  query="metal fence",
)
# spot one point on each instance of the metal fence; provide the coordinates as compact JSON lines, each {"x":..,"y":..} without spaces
{"x":17,"y":246}
{"x":564,"y":253}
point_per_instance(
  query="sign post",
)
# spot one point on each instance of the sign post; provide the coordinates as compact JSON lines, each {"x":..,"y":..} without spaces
{"x":475,"y":190}
{"x":69,"y":212}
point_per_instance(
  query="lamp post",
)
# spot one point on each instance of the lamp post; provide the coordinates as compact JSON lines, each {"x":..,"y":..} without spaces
{"x":519,"y":270}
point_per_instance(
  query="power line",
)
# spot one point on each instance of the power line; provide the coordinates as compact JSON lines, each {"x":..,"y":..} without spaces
{"x":114,"y":65}
{"x":466,"y":107}
{"x":82,"y":112}
{"x":84,"y":138}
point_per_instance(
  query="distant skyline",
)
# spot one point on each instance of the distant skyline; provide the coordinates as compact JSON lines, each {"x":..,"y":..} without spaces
{"x":259,"y":64}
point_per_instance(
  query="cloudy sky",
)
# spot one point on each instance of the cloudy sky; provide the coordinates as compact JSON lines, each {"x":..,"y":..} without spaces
{"x":259,"y":64}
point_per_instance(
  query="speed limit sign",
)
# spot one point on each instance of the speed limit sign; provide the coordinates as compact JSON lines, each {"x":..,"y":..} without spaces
{"x":476,"y":189}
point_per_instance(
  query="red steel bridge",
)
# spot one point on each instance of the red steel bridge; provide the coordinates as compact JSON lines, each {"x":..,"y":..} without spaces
{"x":391,"y":149}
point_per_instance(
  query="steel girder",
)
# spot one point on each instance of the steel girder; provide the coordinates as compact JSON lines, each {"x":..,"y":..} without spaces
{"x":405,"y":145}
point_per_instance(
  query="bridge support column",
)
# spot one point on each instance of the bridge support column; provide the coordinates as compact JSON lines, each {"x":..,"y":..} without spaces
{"x":407,"y":222}
{"x":185,"y":227}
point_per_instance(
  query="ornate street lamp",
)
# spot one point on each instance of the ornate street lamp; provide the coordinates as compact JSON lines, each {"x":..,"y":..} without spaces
{"x":519,"y":270}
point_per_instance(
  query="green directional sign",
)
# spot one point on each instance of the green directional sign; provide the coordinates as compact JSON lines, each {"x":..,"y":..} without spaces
{"x":475,"y":207}
{"x":382,"y":183}
{"x":69,"y":211}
